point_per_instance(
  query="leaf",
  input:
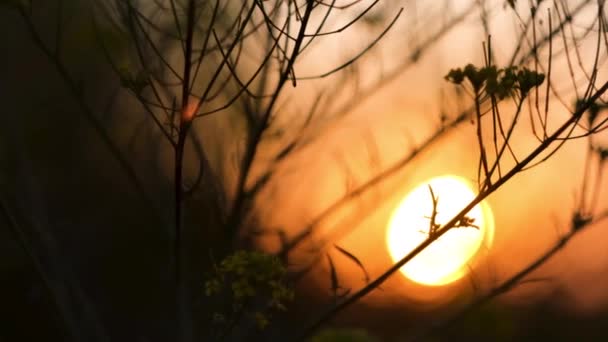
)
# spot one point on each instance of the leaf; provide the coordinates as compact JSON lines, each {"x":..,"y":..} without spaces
{"x":286,"y":150}
{"x":355,"y":260}
{"x":333,"y":276}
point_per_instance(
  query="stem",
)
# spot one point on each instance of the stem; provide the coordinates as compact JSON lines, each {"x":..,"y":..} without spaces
{"x":186,"y":116}
{"x":482,"y":149}
{"x":178,"y":248}
{"x":506,"y":138}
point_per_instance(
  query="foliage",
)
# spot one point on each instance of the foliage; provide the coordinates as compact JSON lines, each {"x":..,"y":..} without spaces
{"x":251,"y":282}
{"x":501,"y":83}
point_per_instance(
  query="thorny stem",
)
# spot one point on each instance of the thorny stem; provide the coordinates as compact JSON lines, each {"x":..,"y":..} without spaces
{"x":433,"y":225}
{"x":453,"y":222}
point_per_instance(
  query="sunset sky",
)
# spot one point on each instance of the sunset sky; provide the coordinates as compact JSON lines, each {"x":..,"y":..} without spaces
{"x":180,"y":167}
{"x":531,"y":211}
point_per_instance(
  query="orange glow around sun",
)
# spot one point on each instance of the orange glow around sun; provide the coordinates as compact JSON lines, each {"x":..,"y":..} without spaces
{"x":446,"y":259}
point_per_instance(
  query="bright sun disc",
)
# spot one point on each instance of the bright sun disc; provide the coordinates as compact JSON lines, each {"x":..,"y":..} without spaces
{"x":446,"y":259}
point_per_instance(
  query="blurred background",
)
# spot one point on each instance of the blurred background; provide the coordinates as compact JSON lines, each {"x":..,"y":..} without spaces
{"x":105,"y":246}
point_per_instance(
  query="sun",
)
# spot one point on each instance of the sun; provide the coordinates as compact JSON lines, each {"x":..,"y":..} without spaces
{"x":446,"y":259}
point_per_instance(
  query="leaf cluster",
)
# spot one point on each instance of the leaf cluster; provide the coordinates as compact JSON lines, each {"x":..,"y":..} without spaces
{"x":495,"y":82}
{"x":246,"y":276}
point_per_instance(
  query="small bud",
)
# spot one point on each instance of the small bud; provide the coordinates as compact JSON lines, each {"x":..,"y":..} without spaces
{"x":455,"y":76}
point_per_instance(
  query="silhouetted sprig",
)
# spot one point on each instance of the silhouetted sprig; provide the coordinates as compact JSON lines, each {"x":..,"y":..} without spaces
{"x":501,"y":83}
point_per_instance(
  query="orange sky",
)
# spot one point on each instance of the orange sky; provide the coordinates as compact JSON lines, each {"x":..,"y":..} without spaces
{"x":530,"y":211}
